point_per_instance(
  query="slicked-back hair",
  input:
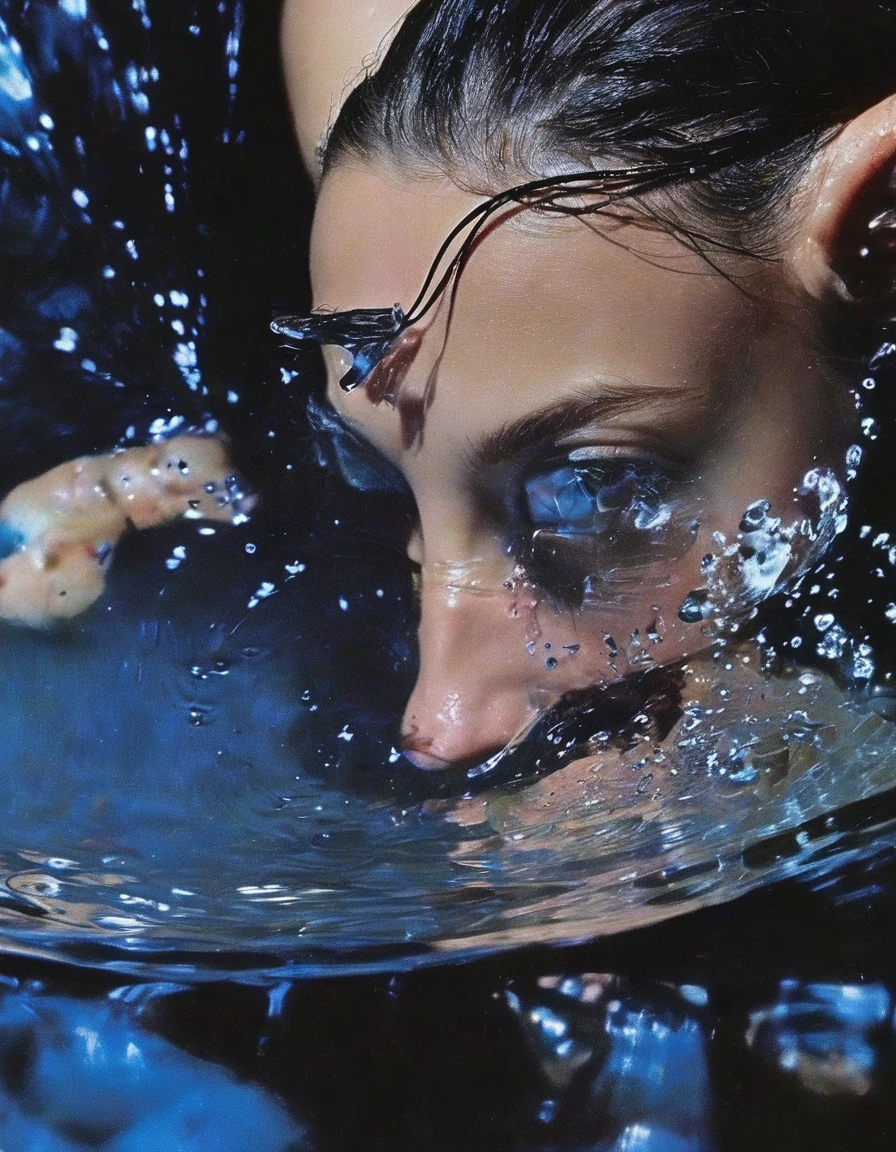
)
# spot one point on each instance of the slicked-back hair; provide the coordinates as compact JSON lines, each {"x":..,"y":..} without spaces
{"x":493,"y":92}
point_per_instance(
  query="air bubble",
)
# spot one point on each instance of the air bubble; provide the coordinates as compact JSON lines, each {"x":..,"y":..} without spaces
{"x":833,"y":644}
{"x":67,"y":340}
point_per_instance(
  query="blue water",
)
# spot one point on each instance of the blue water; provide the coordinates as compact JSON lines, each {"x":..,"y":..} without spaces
{"x":231,"y":917}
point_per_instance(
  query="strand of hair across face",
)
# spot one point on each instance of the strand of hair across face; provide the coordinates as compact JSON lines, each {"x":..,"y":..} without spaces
{"x":546,"y":193}
{"x":536,"y":193}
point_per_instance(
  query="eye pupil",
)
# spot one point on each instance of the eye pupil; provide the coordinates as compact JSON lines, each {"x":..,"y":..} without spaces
{"x":616,"y":495}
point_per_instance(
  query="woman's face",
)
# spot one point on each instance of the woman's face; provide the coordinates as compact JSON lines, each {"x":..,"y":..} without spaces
{"x":583,"y":428}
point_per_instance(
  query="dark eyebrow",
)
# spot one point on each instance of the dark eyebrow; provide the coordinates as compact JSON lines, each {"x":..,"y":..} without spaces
{"x":555,"y":421}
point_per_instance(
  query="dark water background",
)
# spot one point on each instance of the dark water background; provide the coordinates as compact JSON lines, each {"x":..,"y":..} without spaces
{"x":153,"y":746}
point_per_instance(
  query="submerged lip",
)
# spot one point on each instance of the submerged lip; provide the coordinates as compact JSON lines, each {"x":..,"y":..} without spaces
{"x":426,"y":761}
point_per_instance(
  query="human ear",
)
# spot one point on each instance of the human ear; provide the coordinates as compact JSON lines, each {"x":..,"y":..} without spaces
{"x":326,"y":47}
{"x":846,"y":244}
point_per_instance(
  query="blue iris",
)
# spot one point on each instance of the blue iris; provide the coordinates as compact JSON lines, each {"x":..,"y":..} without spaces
{"x":579,"y":499}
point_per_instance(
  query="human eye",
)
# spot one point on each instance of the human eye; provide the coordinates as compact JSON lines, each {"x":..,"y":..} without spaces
{"x":595,"y":496}
{"x":594,"y":519}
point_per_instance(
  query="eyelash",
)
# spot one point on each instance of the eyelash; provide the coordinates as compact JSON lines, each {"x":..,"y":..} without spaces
{"x":589,"y":525}
{"x":615,"y":512}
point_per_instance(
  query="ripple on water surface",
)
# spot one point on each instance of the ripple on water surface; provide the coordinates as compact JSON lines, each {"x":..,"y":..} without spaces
{"x":213,"y":785}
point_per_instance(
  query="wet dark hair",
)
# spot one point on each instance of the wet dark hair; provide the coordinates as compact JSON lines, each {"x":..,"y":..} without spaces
{"x":718,"y":106}
{"x":742,"y":91}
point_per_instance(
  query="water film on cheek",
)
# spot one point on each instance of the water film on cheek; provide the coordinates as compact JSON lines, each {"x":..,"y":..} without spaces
{"x":203,"y":769}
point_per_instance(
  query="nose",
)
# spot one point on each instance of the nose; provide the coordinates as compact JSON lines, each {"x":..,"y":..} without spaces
{"x":477,"y":687}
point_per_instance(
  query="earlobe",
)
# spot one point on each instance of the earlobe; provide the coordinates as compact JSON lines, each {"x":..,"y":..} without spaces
{"x":845,"y":248}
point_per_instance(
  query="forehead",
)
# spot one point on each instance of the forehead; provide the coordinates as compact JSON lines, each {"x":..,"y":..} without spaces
{"x":377,"y":230}
{"x":546,"y":306}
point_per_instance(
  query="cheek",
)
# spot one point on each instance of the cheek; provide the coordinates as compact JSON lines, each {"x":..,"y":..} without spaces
{"x":617,"y":635}
{"x":757,"y":539}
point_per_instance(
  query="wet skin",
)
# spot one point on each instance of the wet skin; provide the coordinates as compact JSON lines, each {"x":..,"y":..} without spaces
{"x":60,"y":529}
{"x":580,"y":359}
{"x":595,"y":369}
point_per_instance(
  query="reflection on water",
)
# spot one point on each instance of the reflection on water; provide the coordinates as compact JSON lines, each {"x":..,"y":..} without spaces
{"x":200,"y":772}
{"x":78,"y":1074}
{"x":235,"y":797}
{"x":460,"y":1059}
{"x":204,"y":763}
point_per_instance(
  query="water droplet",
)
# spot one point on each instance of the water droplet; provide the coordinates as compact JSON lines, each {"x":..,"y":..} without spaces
{"x":67,"y":340}
{"x":547,"y":1111}
{"x":695,"y":607}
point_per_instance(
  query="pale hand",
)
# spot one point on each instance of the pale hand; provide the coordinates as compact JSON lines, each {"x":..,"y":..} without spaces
{"x":61,"y":528}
